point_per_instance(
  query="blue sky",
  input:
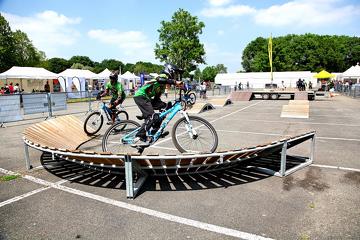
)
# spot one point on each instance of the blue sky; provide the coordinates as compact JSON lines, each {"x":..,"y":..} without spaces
{"x":127,"y":30}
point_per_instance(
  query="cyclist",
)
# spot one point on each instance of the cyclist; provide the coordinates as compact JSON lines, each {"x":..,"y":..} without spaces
{"x":117,"y":92}
{"x":148,"y":99}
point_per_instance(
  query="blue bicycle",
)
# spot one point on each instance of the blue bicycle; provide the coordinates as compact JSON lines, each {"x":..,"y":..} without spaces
{"x":189,"y":134}
{"x":95,"y":120}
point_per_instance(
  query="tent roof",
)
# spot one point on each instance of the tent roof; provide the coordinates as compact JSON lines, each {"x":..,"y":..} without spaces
{"x":28,"y":73}
{"x":80,"y":73}
{"x":129,"y":75}
{"x":324,"y":74}
{"x":104,"y":74}
{"x":353,"y":71}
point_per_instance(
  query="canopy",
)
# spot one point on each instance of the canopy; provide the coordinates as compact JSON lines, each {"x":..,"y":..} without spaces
{"x":353,"y":71}
{"x":130,"y":76}
{"x":80,"y":73}
{"x":104,"y":74}
{"x":324,"y":74}
{"x":28,"y":73}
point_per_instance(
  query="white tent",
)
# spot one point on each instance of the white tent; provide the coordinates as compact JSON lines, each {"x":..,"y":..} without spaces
{"x":76,"y":77}
{"x":28,"y":73}
{"x":259,"y":79}
{"x":129,"y":80}
{"x":352,"y":73}
{"x":104,"y":74}
{"x":34,"y":77}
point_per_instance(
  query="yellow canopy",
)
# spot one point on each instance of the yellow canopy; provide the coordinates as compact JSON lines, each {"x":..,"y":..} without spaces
{"x":324,"y":74}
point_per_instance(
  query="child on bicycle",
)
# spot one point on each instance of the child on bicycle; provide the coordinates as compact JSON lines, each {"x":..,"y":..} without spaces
{"x":148,"y":99}
{"x":117,"y":92}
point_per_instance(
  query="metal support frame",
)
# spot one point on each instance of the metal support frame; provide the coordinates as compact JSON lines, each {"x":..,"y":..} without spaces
{"x":27,"y":157}
{"x":283,"y":172}
{"x":131,"y":167}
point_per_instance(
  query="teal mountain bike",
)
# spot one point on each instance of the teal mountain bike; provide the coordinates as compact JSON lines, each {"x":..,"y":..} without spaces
{"x":189,"y":134}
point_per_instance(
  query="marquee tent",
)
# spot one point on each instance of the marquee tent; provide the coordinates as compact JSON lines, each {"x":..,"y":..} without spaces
{"x":104,"y":74}
{"x":324,"y":74}
{"x":35,"y":77}
{"x":129,"y":80}
{"x":75,"y":76}
{"x":352,"y":72}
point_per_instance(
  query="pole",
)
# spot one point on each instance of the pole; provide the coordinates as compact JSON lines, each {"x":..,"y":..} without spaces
{"x":270,"y":59}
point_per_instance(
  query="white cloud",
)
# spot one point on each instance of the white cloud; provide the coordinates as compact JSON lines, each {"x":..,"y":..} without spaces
{"x":230,"y":11}
{"x":306,"y":13}
{"x":133,"y":44}
{"x":218,"y":3}
{"x":48,"y":30}
{"x":297,"y":13}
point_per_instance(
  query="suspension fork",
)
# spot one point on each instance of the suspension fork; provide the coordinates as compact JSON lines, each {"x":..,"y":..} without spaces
{"x":189,"y":128}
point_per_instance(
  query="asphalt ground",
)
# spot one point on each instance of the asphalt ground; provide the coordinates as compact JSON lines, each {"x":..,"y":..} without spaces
{"x":59,"y":200}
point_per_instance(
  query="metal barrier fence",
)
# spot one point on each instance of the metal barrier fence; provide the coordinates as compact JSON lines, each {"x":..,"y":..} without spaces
{"x":9,"y":109}
{"x":351,"y":91}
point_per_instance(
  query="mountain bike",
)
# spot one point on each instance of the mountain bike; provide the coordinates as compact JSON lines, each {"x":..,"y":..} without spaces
{"x":189,"y":134}
{"x":95,"y":120}
{"x":189,"y":97}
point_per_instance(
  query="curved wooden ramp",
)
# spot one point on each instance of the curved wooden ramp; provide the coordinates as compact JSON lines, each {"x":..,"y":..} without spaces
{"x":200,"y":107}
{"x":63,"y":135}
{"x":220,"y":102}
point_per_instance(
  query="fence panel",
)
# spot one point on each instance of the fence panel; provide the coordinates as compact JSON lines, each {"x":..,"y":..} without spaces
{"x":35,"y":103}
{"x":58,"y":101}
{"x":10,"y":108}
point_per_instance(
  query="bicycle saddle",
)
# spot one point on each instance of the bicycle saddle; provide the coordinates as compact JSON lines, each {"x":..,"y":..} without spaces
{"x":140,"y":117}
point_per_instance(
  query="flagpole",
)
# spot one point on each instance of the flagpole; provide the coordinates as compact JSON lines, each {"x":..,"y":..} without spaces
{"x":270,"y":59}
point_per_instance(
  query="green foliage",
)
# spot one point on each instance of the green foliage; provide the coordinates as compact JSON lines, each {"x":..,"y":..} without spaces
{"x":209,"y":73}
{"x":16,"y":48}
{"x":8,"y":178}
{"x":129,"y":67}
{"x":84,"y":60}
{"x":197,"y":74}
{"x":220,"y":68}
{"x":179,"y":40}
{"x":56,"y":65}
{"x":146,"y":67}
{"x":309,"y":52}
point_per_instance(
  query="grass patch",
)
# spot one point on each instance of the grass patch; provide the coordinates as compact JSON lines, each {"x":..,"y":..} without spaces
{"x":312,"y":205}
{"x":304,"y":237}
{"x":7,"y":178}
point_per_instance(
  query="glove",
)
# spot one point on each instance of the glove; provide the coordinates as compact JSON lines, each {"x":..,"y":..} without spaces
{"x":168,"y":105}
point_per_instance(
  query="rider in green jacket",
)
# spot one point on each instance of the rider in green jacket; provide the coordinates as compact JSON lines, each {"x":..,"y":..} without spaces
{"x":148,"y":99}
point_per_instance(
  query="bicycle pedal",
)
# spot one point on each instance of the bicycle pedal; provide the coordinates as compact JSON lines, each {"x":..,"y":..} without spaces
{"x":164,"y":134}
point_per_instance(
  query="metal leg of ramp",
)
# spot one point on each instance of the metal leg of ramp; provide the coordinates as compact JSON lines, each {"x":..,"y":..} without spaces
{"x":131,"y":167}
{"x":27,"y":157}
{"x":282,"y":171}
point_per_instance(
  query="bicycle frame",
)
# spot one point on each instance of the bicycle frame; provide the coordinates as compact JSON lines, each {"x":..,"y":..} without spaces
{"x":167,"y":116}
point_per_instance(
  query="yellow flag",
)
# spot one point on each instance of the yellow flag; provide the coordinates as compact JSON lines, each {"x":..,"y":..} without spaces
{"x":270,"y":56}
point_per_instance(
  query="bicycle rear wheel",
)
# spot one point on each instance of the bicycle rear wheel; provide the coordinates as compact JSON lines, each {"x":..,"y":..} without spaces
{"x":205,"y":141}
{"x":122,"y":115}
{"x":112,"y":139}
{"x":93,"y":123}
{"x":192,"y":98}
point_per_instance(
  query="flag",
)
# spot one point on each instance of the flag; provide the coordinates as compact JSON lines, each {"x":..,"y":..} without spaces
{"x":270,"y":56}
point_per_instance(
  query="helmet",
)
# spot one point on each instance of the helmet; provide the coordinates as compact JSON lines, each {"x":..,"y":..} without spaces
{"x":113,"y":76}
{"x":169,"y":69}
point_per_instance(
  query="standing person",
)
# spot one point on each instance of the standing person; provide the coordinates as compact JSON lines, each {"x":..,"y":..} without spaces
{"x":247,"y":85}
{"x":47,"y":87}
{"x":148,"y":99}
{"x":2,"y":91}
{"x":166,"y":91}
{"x":203,"y":89}
{"x":310,"y":85}
{"x":117,"y":92}
{"x":11,"y":88}
{"x":240,"y":86}
{"x":16,"y":88}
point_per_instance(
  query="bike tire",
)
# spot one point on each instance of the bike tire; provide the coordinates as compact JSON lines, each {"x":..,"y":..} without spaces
{"x":111,"y":141}
{"x":192,"y":98}
{"x":122,"y":115}
{"x":183,"y":105}
{"x":91,"y":127}
{"x":203,"y":123}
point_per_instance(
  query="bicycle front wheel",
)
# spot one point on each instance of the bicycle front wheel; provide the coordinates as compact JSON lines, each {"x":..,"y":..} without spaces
{"x":93,"y":123}
{"x":112,"y":139}
{"x":204,"y":141}
{"x":122,"y":115}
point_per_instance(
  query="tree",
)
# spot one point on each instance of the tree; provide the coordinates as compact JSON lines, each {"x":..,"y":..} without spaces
{"x":197,"y":74}
{"x":308,"y":52}
{"x":57,"y":65}
{"x":84,"y":60}
{"x":179,"y":40}
{"x":112,"y":64}
{"x":209,"y":73}
{"x":25,"y":53}
{"x":220,"y":68}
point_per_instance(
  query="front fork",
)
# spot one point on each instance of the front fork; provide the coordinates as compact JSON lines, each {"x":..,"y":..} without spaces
{"x":189,"y":128}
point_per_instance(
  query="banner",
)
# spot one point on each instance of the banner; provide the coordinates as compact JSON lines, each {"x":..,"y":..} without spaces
{"x":142,"y":79}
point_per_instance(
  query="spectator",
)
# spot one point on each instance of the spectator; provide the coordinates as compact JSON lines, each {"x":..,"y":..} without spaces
{"x":310,"y":85}
{"x":47,"y":87}
{"x":16,"y":88}
{"x":247,"y":85}
{"x":2,"y":91}
{"x":240,"y":86}
{"x":11,"y":88}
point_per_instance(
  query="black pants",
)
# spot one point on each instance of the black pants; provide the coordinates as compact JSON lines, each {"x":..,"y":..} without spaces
{"x":148,"y":106}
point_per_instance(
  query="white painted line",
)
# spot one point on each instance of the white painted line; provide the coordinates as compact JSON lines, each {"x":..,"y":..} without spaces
{"x":276,"y":134}
{"x":152,"y":213}
{"x":17,"y":198}
{"x":38,"y":167}
{"x":336,"y":167}
{"x":217,"y":119}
